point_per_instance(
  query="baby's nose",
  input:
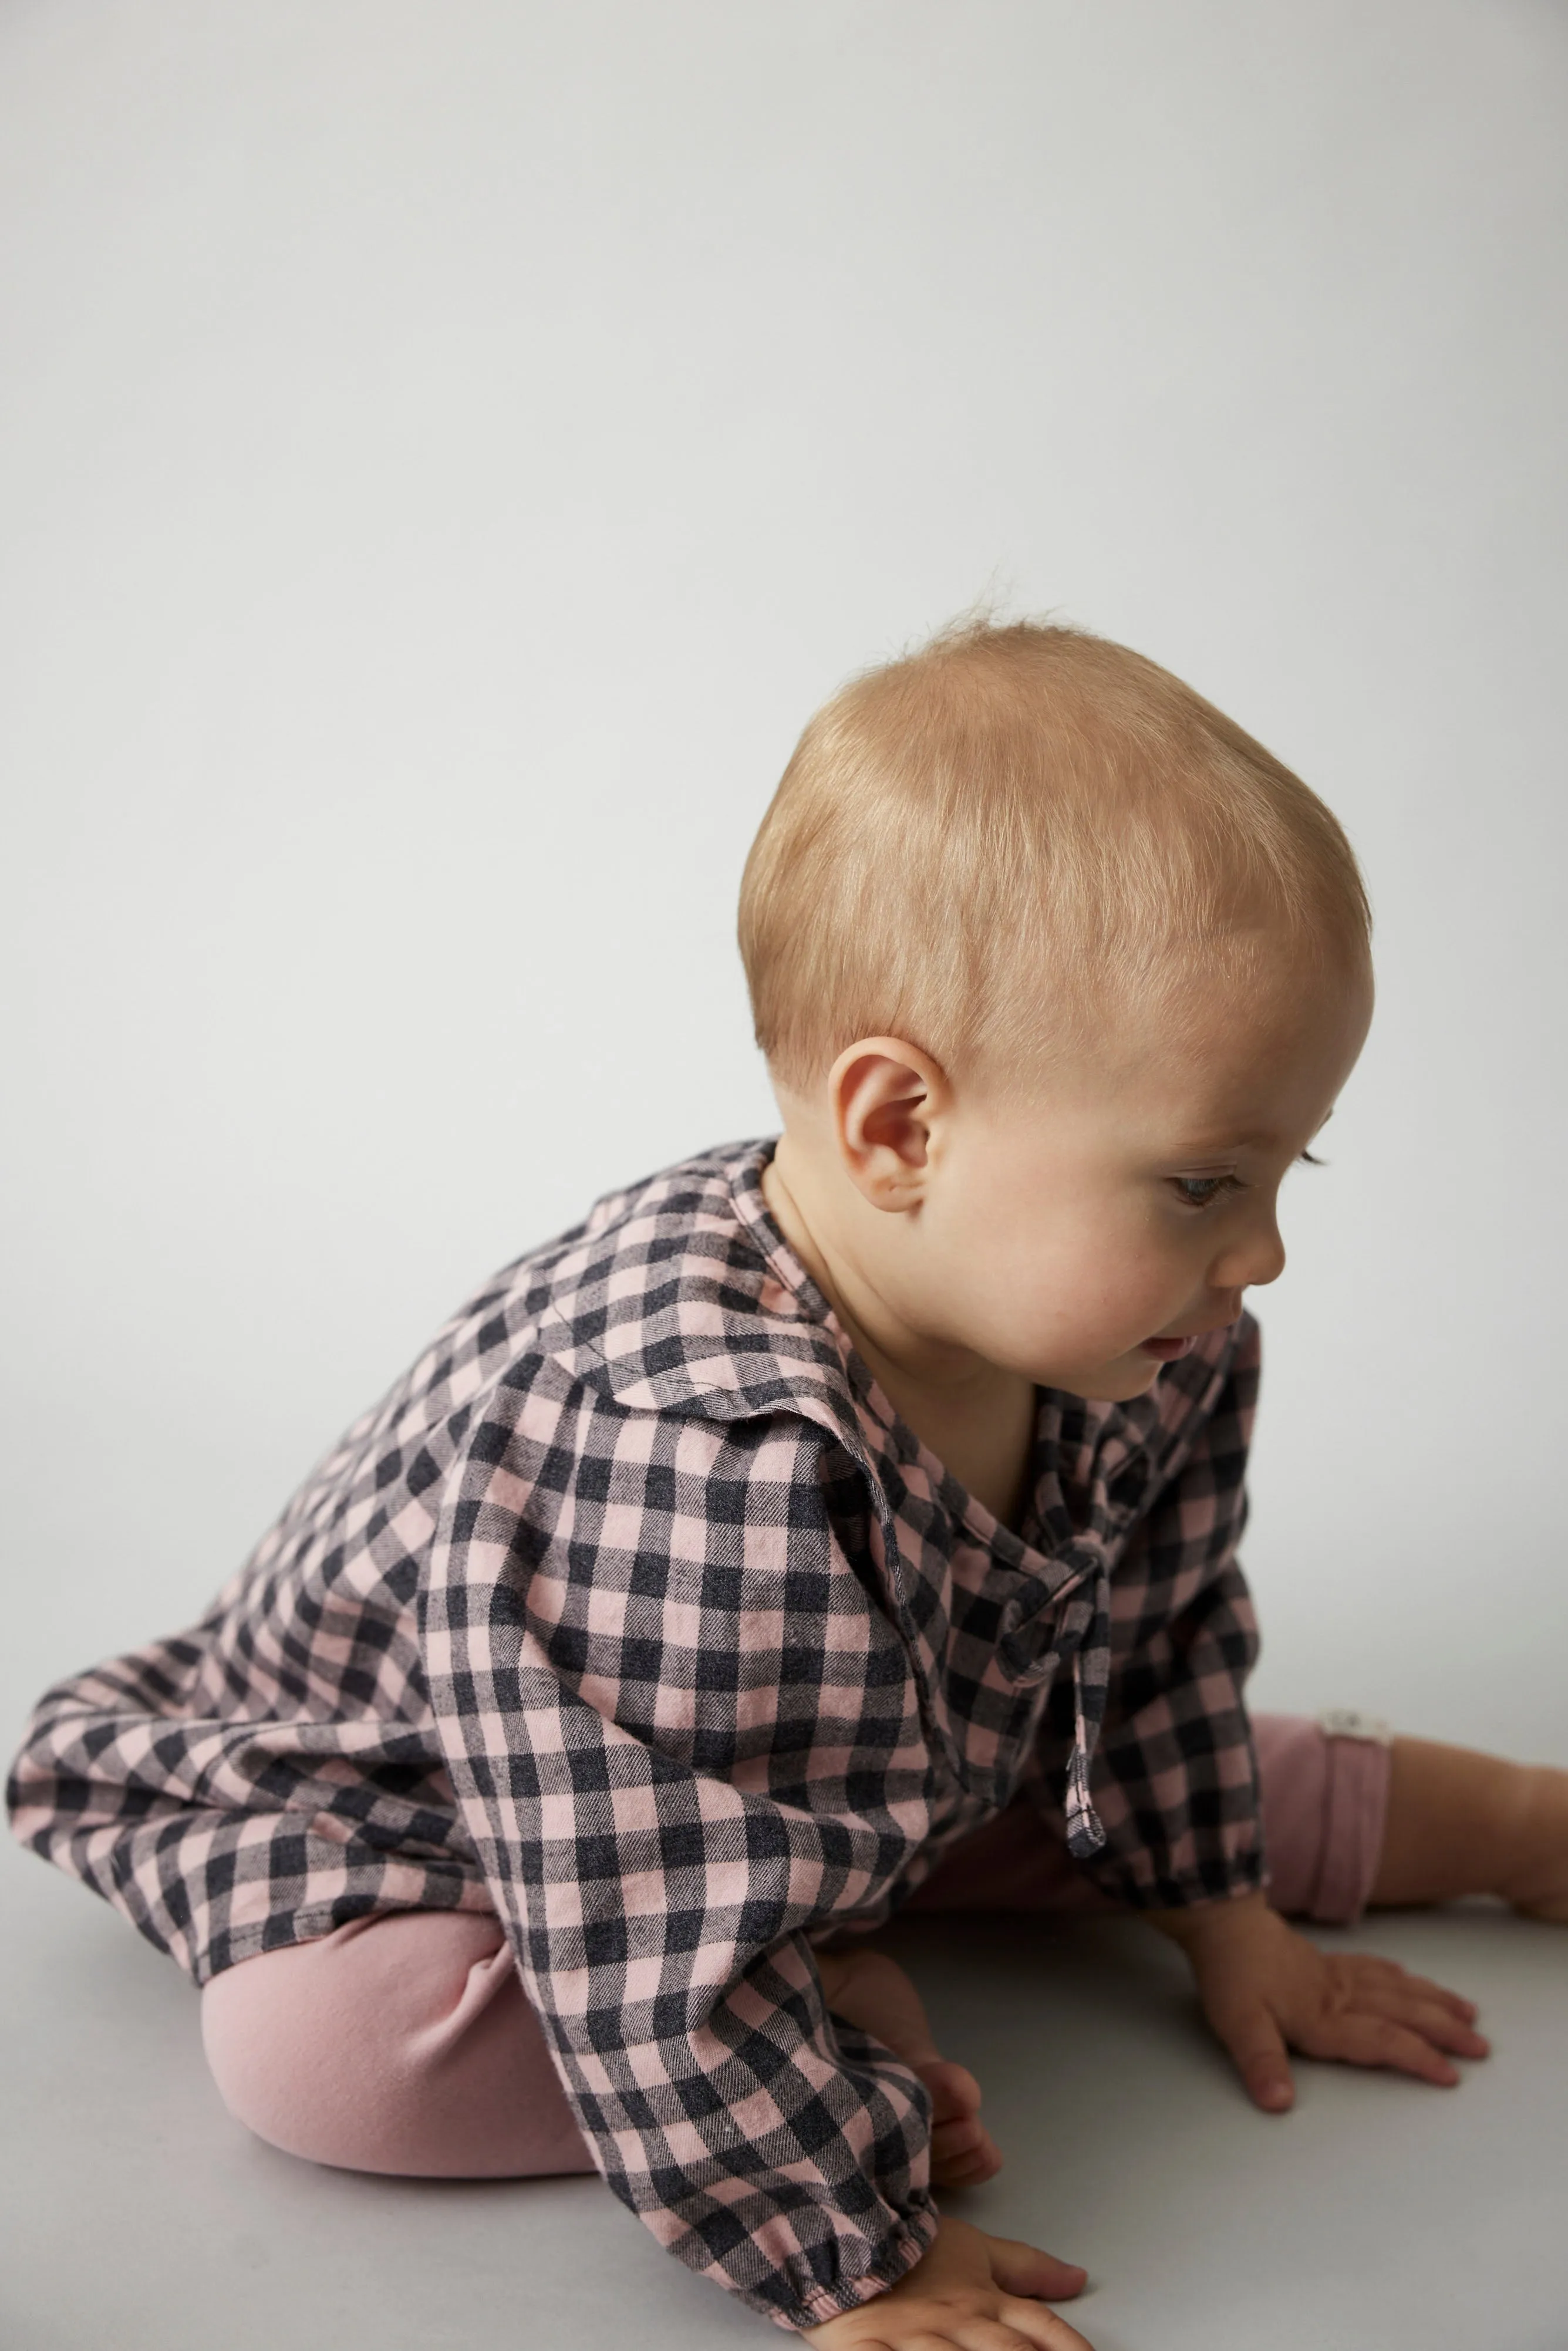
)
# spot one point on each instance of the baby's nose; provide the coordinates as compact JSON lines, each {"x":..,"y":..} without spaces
{"x":1249,"y":1265}
{"x":1264,"y":1262}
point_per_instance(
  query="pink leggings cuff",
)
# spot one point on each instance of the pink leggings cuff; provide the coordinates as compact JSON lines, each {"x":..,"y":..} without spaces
{"x":1324,"y":1801}
{"x":405,"y":2042}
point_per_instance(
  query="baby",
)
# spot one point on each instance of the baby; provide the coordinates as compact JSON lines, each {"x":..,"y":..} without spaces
{"x":832,"y":1522}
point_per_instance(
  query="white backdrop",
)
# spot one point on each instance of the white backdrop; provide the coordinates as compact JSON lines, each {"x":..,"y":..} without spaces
{"x":446,"y":452}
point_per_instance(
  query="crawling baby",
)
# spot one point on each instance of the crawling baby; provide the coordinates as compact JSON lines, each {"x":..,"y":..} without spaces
{"x":836,"y":1522}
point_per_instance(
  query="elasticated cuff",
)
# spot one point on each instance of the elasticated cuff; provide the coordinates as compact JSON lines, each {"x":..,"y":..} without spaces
{"x":1355,"y":1806}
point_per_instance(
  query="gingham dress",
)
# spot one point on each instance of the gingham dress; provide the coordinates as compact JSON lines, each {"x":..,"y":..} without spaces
{"x":636,"y":1614}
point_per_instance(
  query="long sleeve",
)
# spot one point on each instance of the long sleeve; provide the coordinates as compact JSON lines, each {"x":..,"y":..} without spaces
{"x":1175,"y":1775}
{"x":672,"y":1717}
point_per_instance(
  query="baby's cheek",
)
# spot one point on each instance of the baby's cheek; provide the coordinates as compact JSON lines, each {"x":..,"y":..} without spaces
{"x":1089,"y":1307}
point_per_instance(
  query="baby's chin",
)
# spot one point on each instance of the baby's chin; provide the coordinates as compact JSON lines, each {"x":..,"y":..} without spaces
{"x":1116,"y":1382}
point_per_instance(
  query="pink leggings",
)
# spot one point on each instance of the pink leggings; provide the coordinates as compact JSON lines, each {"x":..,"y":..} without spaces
{"x":405,"y":2042}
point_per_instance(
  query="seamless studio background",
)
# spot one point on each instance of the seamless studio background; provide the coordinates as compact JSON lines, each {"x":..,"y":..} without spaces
{"x":445,"y":454}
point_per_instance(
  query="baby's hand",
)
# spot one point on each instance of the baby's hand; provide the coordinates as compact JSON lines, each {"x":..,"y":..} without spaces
{"x":967,"y":2289}
{"x":1265,"y":1988}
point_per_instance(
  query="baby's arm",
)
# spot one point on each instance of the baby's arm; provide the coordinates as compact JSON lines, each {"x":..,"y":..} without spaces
{"x":650,"y":1679}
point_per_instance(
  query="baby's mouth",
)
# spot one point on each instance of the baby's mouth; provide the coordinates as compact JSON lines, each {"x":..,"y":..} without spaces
{"x":1168,"y":1351}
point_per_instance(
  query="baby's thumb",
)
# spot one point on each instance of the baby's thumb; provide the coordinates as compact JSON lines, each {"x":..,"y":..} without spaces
{"x":1025,"y":2270}
{"x":1257,"y":2048}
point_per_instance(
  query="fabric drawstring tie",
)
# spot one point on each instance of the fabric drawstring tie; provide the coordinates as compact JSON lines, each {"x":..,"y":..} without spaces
{"x":1089,"y":1617}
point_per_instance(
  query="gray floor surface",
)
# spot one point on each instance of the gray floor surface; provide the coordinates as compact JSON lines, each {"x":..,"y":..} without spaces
{"x":1381,"y":2214}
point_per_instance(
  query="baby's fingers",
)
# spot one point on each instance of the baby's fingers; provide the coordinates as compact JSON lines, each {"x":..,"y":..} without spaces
{"x":1427,"y":2017}
{"x":1389,"y":1971}
{"x":1018,"y":2270}
{"x":963,"y":2155}
{"x":1025,"y":2326}
{"x":1366,"y":2039}
{"x":1029,"y":2326}
{"x":1257,"y":2048}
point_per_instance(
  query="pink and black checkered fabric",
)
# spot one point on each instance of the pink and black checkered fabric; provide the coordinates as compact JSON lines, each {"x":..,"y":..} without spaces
{"x":636,"y":1614}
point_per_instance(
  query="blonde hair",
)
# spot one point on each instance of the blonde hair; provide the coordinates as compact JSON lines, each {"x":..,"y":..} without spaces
{"x":977,"y":846}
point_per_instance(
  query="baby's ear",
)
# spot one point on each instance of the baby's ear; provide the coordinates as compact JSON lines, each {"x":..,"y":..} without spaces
{"x":885,"y":1096}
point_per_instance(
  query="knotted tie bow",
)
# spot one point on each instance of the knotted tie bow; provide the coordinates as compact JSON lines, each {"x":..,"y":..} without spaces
{"x":1039,"y":1632}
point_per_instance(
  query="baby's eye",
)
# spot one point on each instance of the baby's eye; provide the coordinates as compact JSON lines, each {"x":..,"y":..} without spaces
{"x":1202,"y":1191}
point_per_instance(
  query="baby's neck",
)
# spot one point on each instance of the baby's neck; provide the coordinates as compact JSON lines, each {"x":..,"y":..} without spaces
{"x":981,"y":1427}
{"x":986,"y":1445}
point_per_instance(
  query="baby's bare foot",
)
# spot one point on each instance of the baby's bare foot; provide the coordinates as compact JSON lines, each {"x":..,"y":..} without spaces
{"x":1535,"y":1879}
{"x":872,"y":1991}
{"x":963,"y":2152}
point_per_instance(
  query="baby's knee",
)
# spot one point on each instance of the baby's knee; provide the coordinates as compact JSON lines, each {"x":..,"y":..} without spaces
{"x":401,"y":2043}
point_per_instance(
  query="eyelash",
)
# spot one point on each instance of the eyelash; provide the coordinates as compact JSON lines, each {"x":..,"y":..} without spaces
{"x":1222,"y":1184}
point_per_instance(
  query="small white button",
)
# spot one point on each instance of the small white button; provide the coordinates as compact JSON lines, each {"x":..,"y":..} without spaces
{"x":1345,"y":1722}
